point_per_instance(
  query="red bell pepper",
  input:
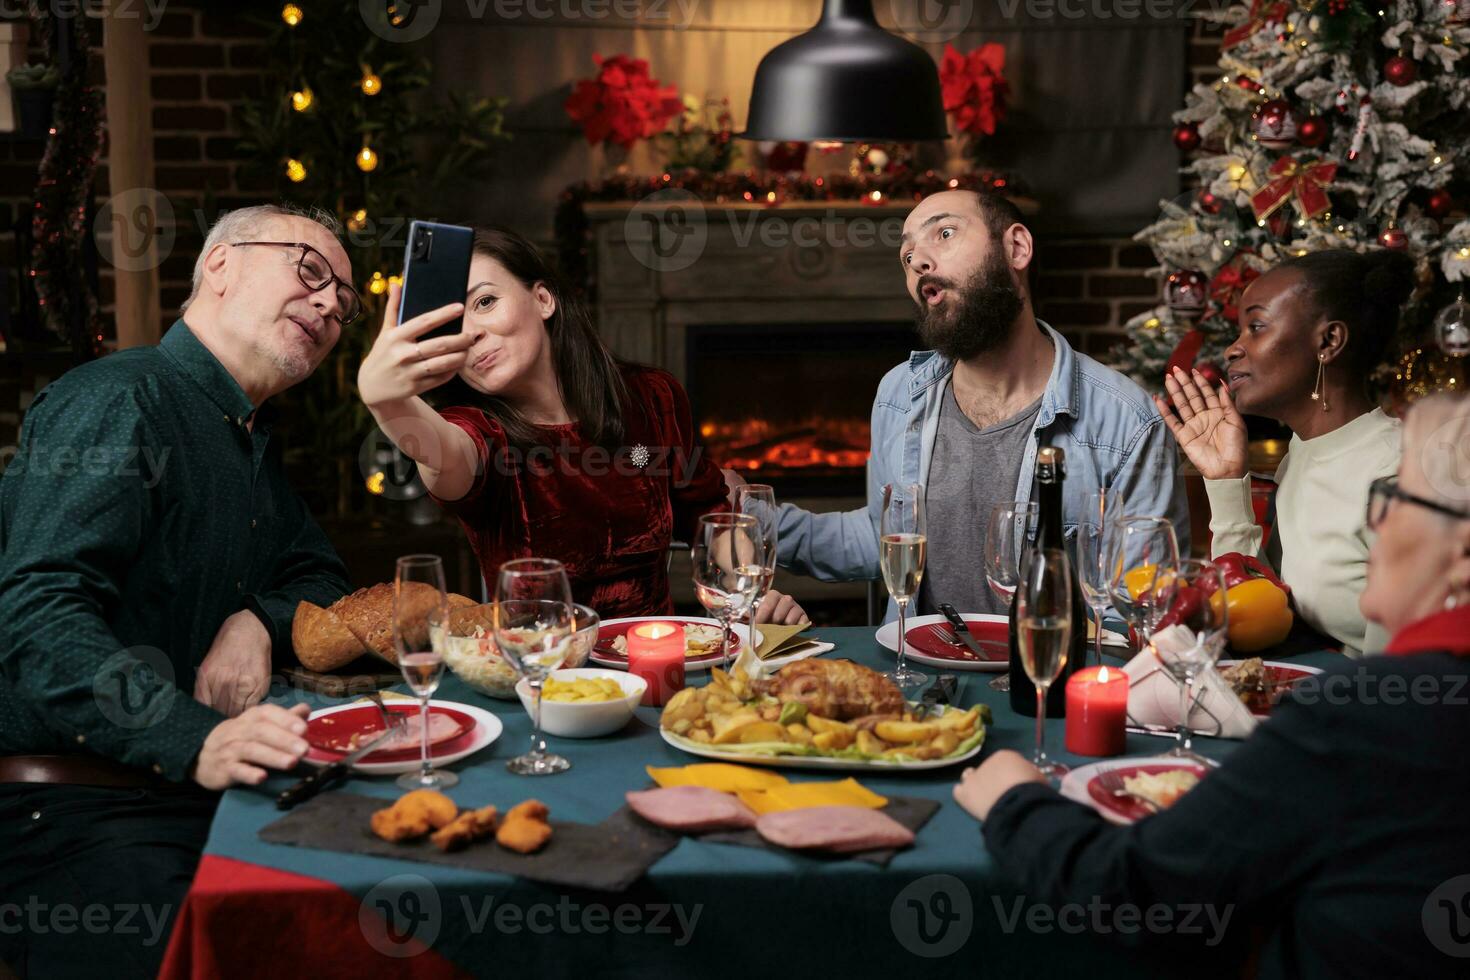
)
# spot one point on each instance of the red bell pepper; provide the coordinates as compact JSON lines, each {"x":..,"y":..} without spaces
{"x":1238,"y":568}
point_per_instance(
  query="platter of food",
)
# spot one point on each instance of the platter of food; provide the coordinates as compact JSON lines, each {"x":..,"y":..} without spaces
{"x":702,"y":648}
{"x":819,"y":714}
{"x":1259,"y":683}
{"x":475,"y":729}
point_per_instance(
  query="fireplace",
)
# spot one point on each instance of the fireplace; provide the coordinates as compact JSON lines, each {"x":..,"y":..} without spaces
{"x":788,"y":403}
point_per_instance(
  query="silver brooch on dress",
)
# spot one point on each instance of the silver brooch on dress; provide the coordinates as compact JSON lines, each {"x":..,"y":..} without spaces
{"x":639,"y":455}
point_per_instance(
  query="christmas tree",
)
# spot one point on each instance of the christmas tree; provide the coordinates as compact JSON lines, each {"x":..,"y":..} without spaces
{"x":1333,"y":124}
{"x":346,"y":124}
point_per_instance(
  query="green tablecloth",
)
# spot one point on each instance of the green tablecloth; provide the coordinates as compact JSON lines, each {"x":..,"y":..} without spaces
{"x":941,"y":904}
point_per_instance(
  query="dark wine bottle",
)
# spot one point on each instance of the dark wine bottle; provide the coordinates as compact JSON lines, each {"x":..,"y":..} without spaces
{"x":1050,"y":533}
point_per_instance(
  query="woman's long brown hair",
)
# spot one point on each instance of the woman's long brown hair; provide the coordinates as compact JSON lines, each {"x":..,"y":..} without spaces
{"x":588,"y":375}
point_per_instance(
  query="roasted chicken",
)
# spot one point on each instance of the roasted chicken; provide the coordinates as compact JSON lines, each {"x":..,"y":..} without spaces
{"x":837,"y":689}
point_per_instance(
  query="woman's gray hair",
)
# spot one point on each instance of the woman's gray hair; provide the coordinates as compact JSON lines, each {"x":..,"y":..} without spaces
{"x":243,"y":224}
{"x":1437,"y":434}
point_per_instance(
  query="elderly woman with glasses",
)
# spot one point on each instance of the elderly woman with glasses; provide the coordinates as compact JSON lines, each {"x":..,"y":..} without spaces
{"x":1333,"y":840}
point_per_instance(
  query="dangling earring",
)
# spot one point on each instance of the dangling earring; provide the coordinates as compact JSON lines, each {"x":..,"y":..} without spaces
{"x":1317,"y":393}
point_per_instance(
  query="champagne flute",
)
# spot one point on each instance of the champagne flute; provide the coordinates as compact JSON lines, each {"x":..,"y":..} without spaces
{"x":759,"y":501}
{"x":902,"y":544}
{"x":728,"y":555}
{"x":1044,"y":621}
{"x":534,"y":623}
{"x":420,"y":618}
{"x":1096,"y":543}
{"x":1144,"y":553}
{"x":1192,"y":600}
{"x":1012,"y":529}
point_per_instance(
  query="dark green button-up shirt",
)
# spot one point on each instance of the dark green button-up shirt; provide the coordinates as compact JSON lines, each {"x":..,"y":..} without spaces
{"x":139,"y":513}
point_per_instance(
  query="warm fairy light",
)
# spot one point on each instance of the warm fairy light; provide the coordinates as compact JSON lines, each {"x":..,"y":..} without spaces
{"x":1465,"y":253}
{"x":395,"y":280}
{"x":295,"y":171}
{"x":375,"y":482}
{"x":770,"y":197}
{"x":291,"y":14}
{"x":826,"y":144}
{"x":367,"y":160}
{"x":377,"y":285}
{"x":875,"y":196}
{"x":954,"y":182}
{"x":358,"y":219}
{"x":1152,"y":323}
{"x":301,"y":100}
{"x":371,"y":84}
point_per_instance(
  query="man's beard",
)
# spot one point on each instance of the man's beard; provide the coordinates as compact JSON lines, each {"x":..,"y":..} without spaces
{"x":979,"y":317}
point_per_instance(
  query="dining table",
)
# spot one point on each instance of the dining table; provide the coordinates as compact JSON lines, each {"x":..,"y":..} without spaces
{"x":704,"y":909}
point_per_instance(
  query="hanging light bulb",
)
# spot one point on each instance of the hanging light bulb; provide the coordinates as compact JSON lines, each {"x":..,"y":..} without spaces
{"x":295,"y":171}
{"x":367,"y":159}
{"x":377,"y":285}
{"x":291,"y":14}
{"x":301,"y":99}
{"x":371,"y":84}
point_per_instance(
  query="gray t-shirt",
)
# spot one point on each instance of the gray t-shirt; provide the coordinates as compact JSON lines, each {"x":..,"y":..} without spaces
{"x":972,"y":470}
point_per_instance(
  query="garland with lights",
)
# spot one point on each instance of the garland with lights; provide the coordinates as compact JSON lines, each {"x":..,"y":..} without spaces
{"x":68,"y":305}
{"x":1334,"y":124}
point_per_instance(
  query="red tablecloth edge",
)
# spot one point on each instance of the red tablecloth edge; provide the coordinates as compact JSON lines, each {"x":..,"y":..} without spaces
{"x":244,"y":919}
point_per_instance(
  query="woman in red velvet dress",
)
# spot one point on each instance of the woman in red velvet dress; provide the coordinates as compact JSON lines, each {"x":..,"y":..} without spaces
{"x":546,"y":444}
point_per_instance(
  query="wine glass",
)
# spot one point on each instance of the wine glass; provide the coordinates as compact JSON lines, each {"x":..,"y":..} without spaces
{"x":420,"y":619}
{"x":534,"y":623}
{"x":1044,"y":625}
{"x":729,"y":559}
{"x":759,"y":501}
{"x":902,"y":544}
{"x":1012,"y":528}
{"x":1096,"y":543}
{"x":1144,"y":553}
{"x":1192,"y":605}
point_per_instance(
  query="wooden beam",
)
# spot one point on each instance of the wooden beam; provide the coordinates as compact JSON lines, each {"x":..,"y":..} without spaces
{"x":136,"y":223}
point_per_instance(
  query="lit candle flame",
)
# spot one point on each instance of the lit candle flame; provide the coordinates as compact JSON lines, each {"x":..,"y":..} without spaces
{"x":1102,"y":676}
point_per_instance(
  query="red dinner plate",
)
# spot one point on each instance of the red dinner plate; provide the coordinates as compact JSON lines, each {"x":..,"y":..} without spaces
{"x":934,"y":640}
{"x":1279,"y":677}
{"x":604,"y":653}
{"x":331,"y":736}
{"x":1125,"y":806}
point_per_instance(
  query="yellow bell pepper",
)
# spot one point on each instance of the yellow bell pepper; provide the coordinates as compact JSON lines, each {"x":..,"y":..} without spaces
{"x":1259,"y":614}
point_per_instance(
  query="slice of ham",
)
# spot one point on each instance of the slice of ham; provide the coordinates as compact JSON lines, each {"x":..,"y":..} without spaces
{"x":840,"y":829}
{"x":690,"y":809}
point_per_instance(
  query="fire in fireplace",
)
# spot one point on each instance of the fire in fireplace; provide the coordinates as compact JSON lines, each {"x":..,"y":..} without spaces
{"x":788,"y":404}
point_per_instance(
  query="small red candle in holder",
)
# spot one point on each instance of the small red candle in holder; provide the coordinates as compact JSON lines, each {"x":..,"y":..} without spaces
{"x":1097,"y":711}
{"x":656,"y":654}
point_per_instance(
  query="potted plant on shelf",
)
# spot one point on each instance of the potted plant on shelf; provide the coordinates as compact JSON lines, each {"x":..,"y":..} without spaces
{"x":35,"y":91}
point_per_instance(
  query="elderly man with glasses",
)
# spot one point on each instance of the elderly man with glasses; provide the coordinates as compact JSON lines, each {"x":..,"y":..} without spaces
{"x":151,"y":559}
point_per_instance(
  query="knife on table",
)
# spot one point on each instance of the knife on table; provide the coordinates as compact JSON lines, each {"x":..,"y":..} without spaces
{"x":962,"y":632}
{"x":332,"y":774}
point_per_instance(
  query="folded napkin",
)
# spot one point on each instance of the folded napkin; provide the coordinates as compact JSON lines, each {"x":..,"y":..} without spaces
{"x":1153,"y":692}
{"x":773,"y":638}
{"x":756,"y":666}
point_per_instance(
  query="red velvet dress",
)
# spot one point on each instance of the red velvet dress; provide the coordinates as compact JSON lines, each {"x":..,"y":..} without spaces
{"x":604,"y":516}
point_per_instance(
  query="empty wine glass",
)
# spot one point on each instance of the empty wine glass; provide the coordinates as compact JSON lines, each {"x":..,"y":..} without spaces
{"x":729,"y":563}
{"x":759,"y":501}
{"x":420,"y":618}
{"x":1144,"y":553}
{"x":1095,"y":561}
{"x":534,"y":623}
{"x":1044,"y":625}
{"x":902,"y":544}
{"x":1192,"y":604}
{"x":1012,"y":529}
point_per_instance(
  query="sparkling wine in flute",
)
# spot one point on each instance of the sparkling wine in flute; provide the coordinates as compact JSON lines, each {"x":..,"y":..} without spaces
{"x":422,"y":671}
{"x":1044,"y":644}
{"x":901,"y":557}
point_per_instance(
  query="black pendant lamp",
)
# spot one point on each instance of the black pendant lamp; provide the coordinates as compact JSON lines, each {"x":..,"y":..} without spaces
{"x":847,"y":80}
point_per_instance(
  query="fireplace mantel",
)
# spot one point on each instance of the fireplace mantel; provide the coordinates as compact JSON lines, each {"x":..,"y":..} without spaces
{"x":802,"y":262}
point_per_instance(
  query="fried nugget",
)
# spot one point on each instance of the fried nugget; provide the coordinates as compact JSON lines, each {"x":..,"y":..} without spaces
{"x":465,"y":829}
{"x":440,"y":809}
{"x":392,"y":824}
{"x":524,"y":828}
{"x":413,"y":815}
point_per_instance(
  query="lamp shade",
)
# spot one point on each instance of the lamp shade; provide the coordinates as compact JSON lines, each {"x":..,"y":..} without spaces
{"x":849,"y":80}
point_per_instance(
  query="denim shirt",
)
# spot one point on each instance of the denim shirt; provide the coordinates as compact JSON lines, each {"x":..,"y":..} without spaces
{"x":1105,"y":424}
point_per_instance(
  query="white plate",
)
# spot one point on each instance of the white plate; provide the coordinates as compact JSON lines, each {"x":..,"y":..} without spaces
{"x":691,"y":665}
{"x":813,"y":761}
{"x":487,"y":730}
{"x":887,"y":637}
{"x":1074,"y":783}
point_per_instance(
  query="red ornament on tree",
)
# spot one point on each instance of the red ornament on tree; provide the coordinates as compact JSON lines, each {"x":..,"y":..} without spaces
{"x":1439,"y":203}
{"x":1313,"y":131}
{"x":1394,"y":238}
{"x":1248,"y":83}
{"x":1399,"y":70}
{"x":1209,"y":203}
{"x":1272,"y":124}
{"x":1184,"y":292}
{"x":1186,"y":137}
{"x":1210,"y":374}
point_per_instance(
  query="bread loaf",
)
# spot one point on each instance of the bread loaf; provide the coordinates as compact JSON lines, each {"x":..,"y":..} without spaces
{"x":362,"y":622}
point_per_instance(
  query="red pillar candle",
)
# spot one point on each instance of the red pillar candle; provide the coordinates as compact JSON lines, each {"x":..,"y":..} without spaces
{"x":656,"y":654}
{"x":1097,"y":711}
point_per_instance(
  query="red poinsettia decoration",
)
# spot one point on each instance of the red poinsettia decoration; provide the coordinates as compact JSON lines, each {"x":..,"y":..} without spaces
{"x":622,"y":104}
{"x":975,"y":88}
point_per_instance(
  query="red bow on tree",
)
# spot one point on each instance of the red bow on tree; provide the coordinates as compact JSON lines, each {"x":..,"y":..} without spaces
{"x":974,"y":87}
{"x":1303,"y":181}
{"x":1230,"y":282}
{"x":1257,"y":19}
{"x":622,"y":104}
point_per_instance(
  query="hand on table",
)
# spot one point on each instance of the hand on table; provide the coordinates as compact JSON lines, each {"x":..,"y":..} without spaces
{"x":1208,"y":428}
{"x":239,"y":750}
{"x":980,"y":787}
{"x":781,"y":609}
{"x":236,"y":672}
